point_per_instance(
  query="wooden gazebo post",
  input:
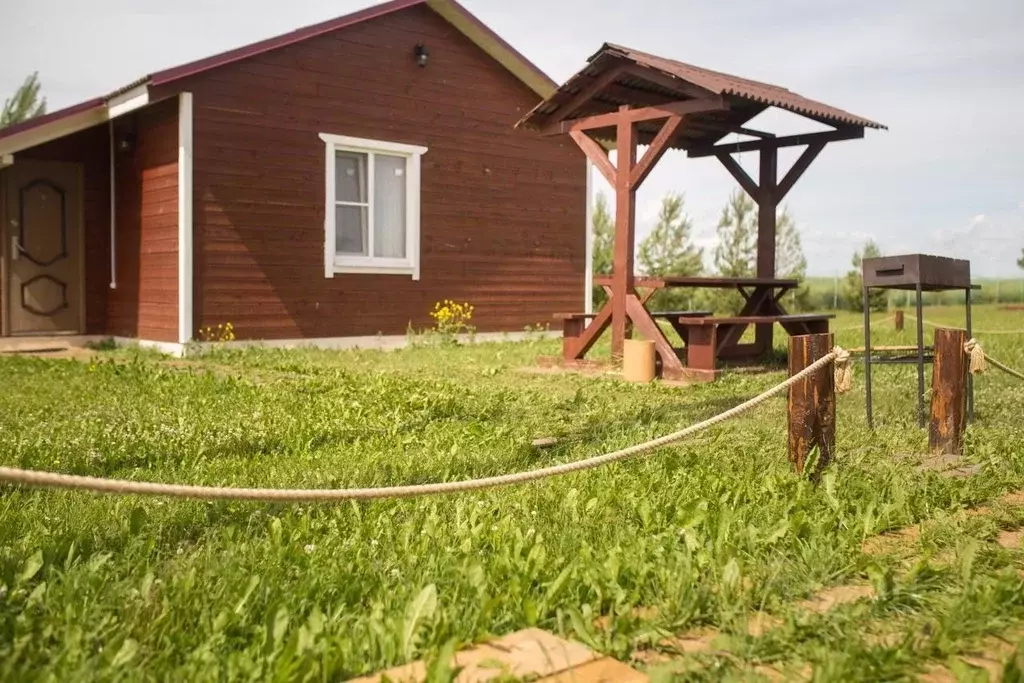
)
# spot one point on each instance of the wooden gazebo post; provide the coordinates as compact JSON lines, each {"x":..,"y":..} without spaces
{"x":626,"y":176}
{"x":625,"y":231}
{"x":769,"y":192}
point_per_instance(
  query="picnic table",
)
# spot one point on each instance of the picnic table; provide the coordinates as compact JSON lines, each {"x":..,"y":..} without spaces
{"x":706,"y":338}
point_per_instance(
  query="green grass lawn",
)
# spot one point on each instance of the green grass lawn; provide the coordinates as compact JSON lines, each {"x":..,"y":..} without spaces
{"x":701,"y":533}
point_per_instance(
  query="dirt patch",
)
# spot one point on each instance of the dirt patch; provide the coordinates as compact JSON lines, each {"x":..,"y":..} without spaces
{"x":837,"y":595}
{"x":1011,"y":539}
{"x":990,"y":656}
{"x":774,"y":673}
{"x":760,"y":623}
{"x":1015,"y":499}
{"x":694,"y":642}
{"x":891,"y":540}
{"x":946,"y":465}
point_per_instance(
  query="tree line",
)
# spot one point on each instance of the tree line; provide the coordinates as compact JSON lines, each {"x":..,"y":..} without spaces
{"x":669,"y":250}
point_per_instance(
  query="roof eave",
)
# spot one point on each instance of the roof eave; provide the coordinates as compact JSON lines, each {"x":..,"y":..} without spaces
{"x":449,"y":10}
{"x":75,"y":118}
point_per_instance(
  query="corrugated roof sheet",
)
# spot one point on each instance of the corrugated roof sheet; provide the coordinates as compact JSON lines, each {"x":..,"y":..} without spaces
{"x":727,"y":84}
{"x":650,"y":79}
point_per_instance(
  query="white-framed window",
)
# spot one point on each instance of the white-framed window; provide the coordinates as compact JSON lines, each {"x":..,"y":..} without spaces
{"x":372,"y":210}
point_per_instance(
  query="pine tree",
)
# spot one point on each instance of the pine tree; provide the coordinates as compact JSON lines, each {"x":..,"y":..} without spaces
{"x":603,"y":255}
{"x":790,"y":261}
{"x":736,"y":252}
{"x":853,"y":287}
{"x":668,"y":250}
{"x":24,"y":104}
{"x":1020,"y":261}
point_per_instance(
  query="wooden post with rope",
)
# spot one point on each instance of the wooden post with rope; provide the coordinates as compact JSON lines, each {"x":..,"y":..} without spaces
{"x":898,"y":317}
{"x":811,"y":408}
{"x":949,"y":392}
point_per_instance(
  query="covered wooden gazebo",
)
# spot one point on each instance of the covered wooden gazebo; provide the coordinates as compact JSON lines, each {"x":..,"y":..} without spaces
{"x":623,"y":99}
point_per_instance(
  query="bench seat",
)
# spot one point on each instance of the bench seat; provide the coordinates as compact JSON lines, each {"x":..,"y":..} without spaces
{"x":681,"y":314}
{"x":703,"y":344}
{"x":794,"y":318}
{"x":654,"y":314}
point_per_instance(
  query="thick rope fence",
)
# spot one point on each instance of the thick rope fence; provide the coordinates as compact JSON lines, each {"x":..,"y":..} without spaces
{"x":839,"y":358}
{"x":11,"y":475}
{"x":981,"y":360}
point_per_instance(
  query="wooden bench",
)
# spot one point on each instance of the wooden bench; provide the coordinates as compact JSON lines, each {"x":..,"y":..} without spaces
{"x":704,"y":346}
{"x":573,"y":324}
{"x":673,"y":318}
{"x":681,"y":314}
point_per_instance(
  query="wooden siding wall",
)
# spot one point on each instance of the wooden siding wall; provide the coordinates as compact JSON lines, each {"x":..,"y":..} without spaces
{"x":145,"y":303}
{"x":503,"y":210}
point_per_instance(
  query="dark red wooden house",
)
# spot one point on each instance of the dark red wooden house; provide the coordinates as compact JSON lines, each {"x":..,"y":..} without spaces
{"x":335,"y":181}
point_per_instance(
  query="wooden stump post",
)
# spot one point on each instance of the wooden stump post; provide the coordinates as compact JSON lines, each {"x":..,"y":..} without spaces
{"x":949,"y":392}
{"x":812,"y":403}
{"x":899,"y":321}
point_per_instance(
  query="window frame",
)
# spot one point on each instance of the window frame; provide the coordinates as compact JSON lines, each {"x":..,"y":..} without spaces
{"x":335,"y":263}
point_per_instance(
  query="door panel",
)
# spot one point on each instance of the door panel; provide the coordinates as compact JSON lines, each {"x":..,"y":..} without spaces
{"x":44,"y":209}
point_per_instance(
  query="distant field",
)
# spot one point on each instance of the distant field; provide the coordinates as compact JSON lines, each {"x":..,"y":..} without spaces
{"x":823,"y":293}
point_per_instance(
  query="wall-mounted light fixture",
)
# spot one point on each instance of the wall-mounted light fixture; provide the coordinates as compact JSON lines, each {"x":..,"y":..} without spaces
{"x":422,"y":54}
{"x":126,"y":141}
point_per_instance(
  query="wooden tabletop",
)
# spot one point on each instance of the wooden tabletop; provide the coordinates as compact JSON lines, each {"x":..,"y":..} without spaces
{"x":713,"y":282}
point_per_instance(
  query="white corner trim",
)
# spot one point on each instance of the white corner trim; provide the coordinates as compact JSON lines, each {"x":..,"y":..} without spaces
{"x":112,"y":162}
{"x":329,"y":234}
{"x":588,"y":278}
{"x":6,"y":160}
{"x":133,"y":99}
{"x":185,"y":233}
{"x":335,"y":263}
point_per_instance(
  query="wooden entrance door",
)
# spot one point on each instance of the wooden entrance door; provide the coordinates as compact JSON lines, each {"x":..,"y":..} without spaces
{"x":43,"y":226}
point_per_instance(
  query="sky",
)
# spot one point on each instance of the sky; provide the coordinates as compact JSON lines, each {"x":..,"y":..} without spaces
{"x":946,"y":76}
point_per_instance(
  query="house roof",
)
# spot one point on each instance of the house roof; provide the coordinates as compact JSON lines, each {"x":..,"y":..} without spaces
{"x":96,"y":110}
{"x":645,"y":79}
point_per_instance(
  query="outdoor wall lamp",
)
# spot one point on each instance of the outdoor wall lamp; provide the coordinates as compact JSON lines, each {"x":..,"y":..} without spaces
{"x":422,"y":54}
{"x":126,"y":143}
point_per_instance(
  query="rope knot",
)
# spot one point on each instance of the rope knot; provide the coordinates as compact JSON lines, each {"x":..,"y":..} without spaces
{"x":977,"y":355}
{"x":843,"y":369}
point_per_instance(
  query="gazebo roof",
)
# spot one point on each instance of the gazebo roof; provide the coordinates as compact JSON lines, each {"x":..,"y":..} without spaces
{"x":617,"y":76}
